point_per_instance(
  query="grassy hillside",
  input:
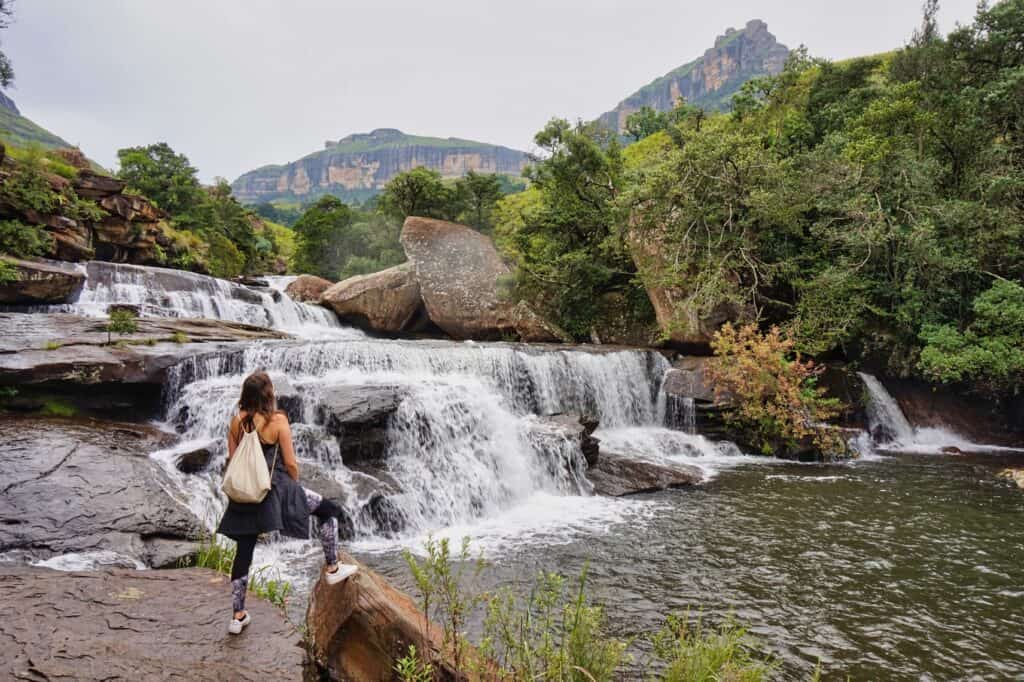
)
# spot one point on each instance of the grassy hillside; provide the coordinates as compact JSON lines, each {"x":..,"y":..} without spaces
{"x":19,"y":131}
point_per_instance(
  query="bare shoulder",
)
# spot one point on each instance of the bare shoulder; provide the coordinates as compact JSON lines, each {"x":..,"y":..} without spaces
{"x":279,"y":419}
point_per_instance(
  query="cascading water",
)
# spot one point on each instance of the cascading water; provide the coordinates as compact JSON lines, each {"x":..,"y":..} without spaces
{"x":465,"y":443}
{"x":161,"y":292}
{"x":885,"y":418}
{"x":890,"y":429}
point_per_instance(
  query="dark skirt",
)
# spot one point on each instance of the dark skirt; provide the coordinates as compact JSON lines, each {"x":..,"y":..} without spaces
{"x":284,"y":508}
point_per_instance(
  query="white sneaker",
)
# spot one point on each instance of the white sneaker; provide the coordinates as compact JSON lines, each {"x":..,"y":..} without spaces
{"x":236,"y":626}
{"x":344,"y":571}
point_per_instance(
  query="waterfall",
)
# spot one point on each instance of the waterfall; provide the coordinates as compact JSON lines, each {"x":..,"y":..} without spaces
{"x":467,"y":441}
{"x":162,"y":292}
{"x":886,"y":420}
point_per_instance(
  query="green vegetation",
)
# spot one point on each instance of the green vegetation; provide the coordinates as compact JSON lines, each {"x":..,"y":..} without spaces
{"x":58,"y":408}
{"x":218,"y":556}
{"x":692,"y":653}
{"x":122,"y":322}
{"x":563,"y":232}
{"x":555,"y":632}
{"x":179,"y":337}
{"x":52,"y":345}
{"x":864,"y":207}
{"x":211,"y":231}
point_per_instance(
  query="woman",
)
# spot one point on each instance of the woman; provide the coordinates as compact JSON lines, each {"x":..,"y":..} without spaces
{"x":287,"y":506}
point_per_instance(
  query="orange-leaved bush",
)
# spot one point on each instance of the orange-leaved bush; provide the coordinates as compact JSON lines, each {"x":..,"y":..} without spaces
{"x":776,"y":403}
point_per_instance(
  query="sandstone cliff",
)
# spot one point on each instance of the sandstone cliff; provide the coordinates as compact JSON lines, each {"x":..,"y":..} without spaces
{"x":358,"y":166}
{"x":711,"y":80}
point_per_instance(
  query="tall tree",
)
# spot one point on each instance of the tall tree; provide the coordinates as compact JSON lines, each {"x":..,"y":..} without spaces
{"x":476,"y":194}
{"x":161,"y":174}
{"x":321,"y":233}
{"x":418,"y":192}
{"x":6,"y":68}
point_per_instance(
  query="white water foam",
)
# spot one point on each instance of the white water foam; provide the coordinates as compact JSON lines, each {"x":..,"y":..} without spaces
{"x":89,"y":561}
{"x":661,"y":445}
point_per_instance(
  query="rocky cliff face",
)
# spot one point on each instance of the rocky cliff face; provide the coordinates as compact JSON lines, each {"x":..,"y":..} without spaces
{"x":359,"y":165}
{"x":711,"y":80}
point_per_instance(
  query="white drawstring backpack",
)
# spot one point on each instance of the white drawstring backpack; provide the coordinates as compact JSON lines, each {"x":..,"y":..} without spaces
{"x":247,"y":479}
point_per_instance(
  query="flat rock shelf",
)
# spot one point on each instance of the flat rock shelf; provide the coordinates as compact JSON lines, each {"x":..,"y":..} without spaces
{"x":137,"y":625}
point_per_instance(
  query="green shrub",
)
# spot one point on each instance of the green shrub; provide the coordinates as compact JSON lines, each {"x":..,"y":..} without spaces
{"x":122,"y":321}
{"x":23,"y":241}
{"x":58,"y":408}
{"x":692,"y":653}
{"x":179,"y":337}
{"x":52,"y":345}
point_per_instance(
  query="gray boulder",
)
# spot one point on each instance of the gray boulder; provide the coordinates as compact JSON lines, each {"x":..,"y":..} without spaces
{"x":102,"y":492}
{"x":41,"y":282}
{"x":460,"y":274}
{"x":616,"y":475}
{"x":387,"y":301}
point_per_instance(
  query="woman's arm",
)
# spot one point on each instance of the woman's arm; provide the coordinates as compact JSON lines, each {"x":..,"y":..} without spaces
{"x":284,"y":440}
{"x":233,"y":436}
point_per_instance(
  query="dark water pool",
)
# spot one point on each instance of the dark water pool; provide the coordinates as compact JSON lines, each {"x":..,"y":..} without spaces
{"x":906,"y":568}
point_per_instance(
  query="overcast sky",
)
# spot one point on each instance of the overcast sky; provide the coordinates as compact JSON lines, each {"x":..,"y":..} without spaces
{"x":236,"y":84}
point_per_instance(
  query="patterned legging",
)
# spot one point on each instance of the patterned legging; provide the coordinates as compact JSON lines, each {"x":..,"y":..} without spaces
{"x":326,"y":513}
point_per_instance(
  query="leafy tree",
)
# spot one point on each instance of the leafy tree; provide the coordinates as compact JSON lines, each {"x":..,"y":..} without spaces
{"x":320,"y":237}
{"x":162,"y":175}
{"x":476,"y":195}
{"x":989,"y":352}
{"x":645,"y":122}
{"x":6,"y":68}
{"x":562,"y":232}
{"x":418,"y":192}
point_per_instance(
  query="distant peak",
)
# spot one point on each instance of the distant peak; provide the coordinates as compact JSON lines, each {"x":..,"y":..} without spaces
{"x":375,"y":135}
{"x":754,"y":26}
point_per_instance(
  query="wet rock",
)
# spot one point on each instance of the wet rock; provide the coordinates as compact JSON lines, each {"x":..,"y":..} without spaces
{"x":387,"y":301}
{"x":41,"y":282}
{"x":137,"y":625}
{"x":382,"y":516}
{"x":577,"y":428}
{"x":951,"y":450}
{"x":358,"y":417}
{"x":288,"y":398}
{"x":307,"y":288}
{"x":71,"y":486}
{"x":460,"y":273}
{"x":688,"y":379}
{"x":359,"y":629}
{"x":616,"y":475}
{"x":194,"y":461}
{"x":71,"y":351}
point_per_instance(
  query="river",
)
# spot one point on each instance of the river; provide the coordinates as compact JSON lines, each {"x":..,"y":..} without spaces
{"x":899,"y":566}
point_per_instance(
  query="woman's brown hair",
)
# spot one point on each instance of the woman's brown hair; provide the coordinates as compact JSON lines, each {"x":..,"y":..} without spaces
{"x":257,"y":398}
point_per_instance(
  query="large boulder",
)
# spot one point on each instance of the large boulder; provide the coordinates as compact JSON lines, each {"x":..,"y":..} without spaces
{"x":92,"y":185}
{"x":459,"y":273}
{"x":41,"y":282}
{"x":684,"y":321}
{"x":387,"y":301}
{"x":105,"y":494}
{"x":358,"y":417}
{"x":616,"y":475}
{"x":137,"y":625}
{"x":307,"y":288}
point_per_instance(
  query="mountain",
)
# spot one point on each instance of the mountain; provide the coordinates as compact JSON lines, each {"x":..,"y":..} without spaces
{"x":19,"y":131}
{"x":711,"y":80}
{"x":358,"y":166}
